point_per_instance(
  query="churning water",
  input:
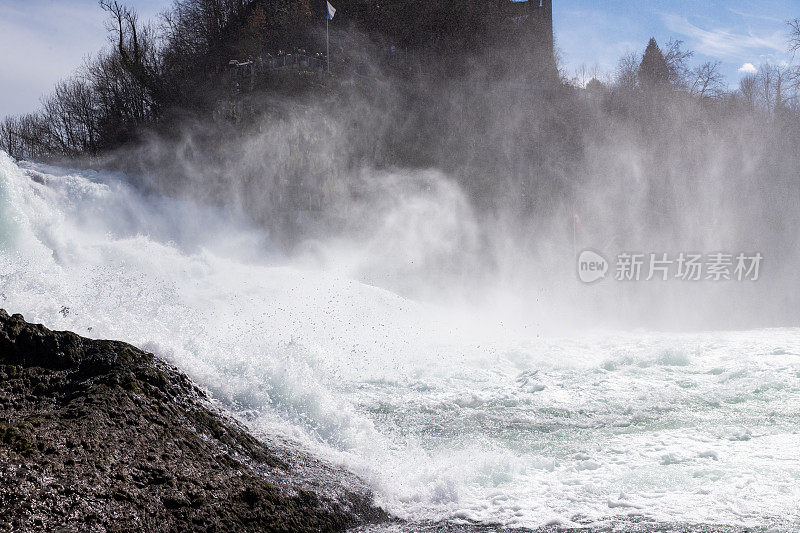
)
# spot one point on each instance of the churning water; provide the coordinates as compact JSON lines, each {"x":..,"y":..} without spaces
{"x":449,"y":414}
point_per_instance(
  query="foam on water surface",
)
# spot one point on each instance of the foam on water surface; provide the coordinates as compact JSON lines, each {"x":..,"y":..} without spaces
{"x":450,"y":414}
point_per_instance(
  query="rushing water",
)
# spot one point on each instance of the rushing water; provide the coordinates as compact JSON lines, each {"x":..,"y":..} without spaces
{"x":449,"y":415}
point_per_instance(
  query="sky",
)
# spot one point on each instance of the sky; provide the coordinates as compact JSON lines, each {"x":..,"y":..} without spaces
{"x":43,"y":41}
{"x":741,"y":34}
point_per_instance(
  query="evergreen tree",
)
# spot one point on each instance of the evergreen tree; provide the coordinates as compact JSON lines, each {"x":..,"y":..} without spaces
{"x":653,"y":70}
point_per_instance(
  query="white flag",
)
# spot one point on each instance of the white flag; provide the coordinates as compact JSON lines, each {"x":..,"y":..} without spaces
{"x":331,"y":11}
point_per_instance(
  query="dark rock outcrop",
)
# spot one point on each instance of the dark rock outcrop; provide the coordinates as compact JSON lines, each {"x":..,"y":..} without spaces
{"x":98,"y":435}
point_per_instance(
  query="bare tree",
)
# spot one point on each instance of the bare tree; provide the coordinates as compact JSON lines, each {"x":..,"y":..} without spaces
{"x":70,"y":115}
{"x":627,"y":73}
{"x":794,"y":35}
{"x":794,"y":70}
{"x":678,"y":63}
{"x":748,"y":90}
{"x":776,"y":87}
{"x":766,"y":86}
{"x":25,"y":136}
{"x":9,"y":138}
{"x":584,"y":74}
{"x":137,"y":51}
{"x":708,"y":82}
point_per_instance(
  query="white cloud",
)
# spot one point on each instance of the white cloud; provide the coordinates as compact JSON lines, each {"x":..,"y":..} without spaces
{"x":748,"y":68}
{"x":756,"y":15}
{"x":723,"y":43}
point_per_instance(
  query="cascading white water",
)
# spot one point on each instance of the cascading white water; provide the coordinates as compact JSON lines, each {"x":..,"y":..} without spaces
{"x":450,"y":414}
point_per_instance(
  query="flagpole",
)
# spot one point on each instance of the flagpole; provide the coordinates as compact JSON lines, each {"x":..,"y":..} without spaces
{"x":574,"y":250}
{"x":330,"y":12}
{"x":327,"y":38}
{"x":574,"y":223}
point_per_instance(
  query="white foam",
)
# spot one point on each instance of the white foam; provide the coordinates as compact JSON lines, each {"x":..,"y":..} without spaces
{"x":451,"y":415}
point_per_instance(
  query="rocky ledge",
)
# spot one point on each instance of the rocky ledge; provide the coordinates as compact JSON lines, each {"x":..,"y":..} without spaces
{"x":101,"y":436}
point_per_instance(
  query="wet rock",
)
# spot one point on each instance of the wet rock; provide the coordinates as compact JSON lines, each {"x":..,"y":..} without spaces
{"x":100,"y":436}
